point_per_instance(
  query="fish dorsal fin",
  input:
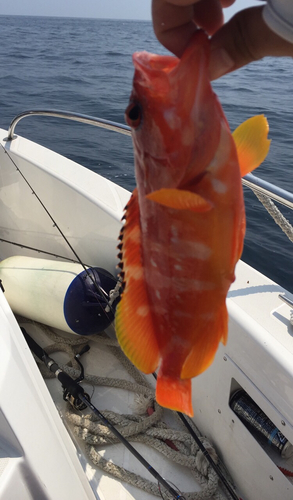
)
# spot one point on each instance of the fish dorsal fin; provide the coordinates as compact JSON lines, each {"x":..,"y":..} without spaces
{"x":252,"y":143}
{"x":134,"y":326}
{"x":180,"y":199}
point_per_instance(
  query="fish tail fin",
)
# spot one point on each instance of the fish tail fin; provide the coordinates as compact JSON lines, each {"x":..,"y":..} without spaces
{"x":174,"y":393}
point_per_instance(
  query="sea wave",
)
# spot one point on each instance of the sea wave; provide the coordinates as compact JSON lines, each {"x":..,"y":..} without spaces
{"x":85,"y":65}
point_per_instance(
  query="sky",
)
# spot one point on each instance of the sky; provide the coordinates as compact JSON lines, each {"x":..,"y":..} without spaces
{"x":111,"y":9}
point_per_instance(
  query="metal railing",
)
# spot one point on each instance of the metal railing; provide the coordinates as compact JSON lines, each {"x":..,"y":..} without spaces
{"x":76,"y":117}
{"x":274,"y":192}
{"x":255,"y":183}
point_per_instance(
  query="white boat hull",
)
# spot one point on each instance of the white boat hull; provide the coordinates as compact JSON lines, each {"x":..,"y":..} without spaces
{"x":38,"y":457}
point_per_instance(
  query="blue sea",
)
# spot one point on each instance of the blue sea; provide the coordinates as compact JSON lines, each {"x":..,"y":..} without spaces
{"x":85,"y":66}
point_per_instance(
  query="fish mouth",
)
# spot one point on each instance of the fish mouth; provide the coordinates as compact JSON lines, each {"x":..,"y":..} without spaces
{"x":152,"y":63}
{"x":153,"y":70}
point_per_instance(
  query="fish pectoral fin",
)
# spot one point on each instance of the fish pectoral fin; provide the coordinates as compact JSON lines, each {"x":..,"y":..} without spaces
{"x":174,"y":393}
{"x":252,"y":143}
{"x":180,"y":199}
{"x":133,"y":321}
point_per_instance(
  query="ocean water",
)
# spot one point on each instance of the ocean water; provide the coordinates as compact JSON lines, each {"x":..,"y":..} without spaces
{"x":85,"y":66}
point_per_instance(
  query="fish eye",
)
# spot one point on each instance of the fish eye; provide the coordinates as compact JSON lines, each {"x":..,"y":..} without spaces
{"x":133,"y":115}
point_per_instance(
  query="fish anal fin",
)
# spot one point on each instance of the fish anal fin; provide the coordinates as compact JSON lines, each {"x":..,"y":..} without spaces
{"x":223,"y":324}
{"x":174,"y":393}
{"x":133,"y":321}
{"x":205,"y":347}
{"x":180,"y":199}
{"x":197,"y":363}
{"x":252,"y":143}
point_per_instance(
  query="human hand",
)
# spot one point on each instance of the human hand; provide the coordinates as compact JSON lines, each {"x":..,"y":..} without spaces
{"x":245,"y":38}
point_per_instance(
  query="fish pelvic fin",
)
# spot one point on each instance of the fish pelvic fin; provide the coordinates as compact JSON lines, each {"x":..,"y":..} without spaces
{"x":252,"y":143}
{"x":174,"y":393}
{"x":133,"y":321}
{"x":180,"y":199}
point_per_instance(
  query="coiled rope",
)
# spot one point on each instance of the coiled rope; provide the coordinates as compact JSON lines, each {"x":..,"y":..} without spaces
{"x":146,"y":426}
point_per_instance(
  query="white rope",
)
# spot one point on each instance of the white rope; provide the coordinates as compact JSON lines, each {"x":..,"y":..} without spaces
{"x":114,"y":294}
{"x":279,"y":219}
{"x":146,"y":426}
{"x":275,"y":213}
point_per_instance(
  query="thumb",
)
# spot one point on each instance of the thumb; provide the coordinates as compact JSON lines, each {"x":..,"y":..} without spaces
{"x":245,"y":38}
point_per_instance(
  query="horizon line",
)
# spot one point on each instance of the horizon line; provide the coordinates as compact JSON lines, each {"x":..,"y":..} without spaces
{"x":75,"y":17}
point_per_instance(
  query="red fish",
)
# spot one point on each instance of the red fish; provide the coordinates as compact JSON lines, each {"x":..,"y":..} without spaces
{"x":185,"y":222}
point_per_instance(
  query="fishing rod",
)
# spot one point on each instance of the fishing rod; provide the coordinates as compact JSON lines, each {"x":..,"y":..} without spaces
{"x":99,"y":289}
{"x":39,"y":250}
{"x":205,"y":453}
{"x":79,"y":399}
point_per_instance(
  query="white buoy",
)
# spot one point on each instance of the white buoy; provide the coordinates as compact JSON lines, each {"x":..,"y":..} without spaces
{"x":59,"y":294}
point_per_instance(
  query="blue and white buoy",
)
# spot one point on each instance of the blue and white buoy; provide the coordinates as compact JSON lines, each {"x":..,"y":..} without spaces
{"x":60,"y":294}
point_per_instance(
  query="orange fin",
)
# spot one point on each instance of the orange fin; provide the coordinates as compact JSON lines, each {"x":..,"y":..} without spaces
{"x":223,"y":324}
{"x":174,"y":393}
{"x":133,"y":321}
{"x":252,"y":143}
{"x":198,"y":360}
{"x":206,"y":345}
{"x":180,"y":200}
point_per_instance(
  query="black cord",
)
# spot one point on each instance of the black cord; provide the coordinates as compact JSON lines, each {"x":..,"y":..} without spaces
{"x":72,"y":388}
{"x":205,"y":453}
{"x":96,"y":285}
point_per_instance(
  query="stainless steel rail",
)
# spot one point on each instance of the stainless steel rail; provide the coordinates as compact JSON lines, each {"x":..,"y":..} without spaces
{"x":77,"y":117}
{"x":274,"y":192}
{"x":255,"y":183}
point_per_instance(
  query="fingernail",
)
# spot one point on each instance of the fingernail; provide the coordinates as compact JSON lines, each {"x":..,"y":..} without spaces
{"x":220,"y":63}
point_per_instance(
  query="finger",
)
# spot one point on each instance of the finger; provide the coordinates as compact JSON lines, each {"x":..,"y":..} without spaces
{"x":227,"y":3}
{"x":245,"y":38}
{"x":176,"y":20}
{"x":208,"y":15}
{"x":173,"y":25}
